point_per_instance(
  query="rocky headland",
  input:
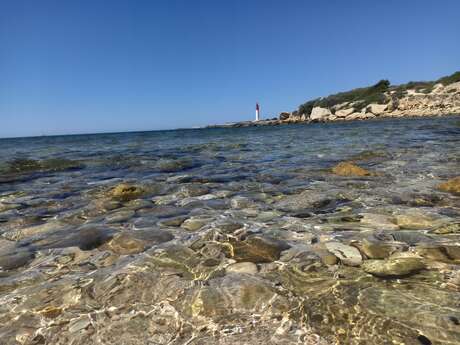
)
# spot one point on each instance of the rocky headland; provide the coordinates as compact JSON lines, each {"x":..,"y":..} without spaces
{"x":427,"y":98}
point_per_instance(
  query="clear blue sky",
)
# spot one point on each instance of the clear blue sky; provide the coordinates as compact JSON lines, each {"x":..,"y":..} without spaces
{"x":99,"y":66}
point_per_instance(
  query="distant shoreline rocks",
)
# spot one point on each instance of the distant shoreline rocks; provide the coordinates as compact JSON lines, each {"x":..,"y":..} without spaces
{"x":382,"y":100}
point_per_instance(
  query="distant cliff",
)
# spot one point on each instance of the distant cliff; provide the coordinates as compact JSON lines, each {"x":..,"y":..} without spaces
{"x":425,"y":98}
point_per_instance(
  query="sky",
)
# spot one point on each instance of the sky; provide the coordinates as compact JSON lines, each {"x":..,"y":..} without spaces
{"x":91,"y":66}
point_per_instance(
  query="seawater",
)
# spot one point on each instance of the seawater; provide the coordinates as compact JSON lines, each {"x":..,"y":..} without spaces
{"x":206,"y":193}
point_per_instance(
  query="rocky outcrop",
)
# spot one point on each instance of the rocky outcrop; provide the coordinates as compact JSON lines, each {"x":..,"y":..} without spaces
{"x":439,"y":100}
{"x":319,"y":113}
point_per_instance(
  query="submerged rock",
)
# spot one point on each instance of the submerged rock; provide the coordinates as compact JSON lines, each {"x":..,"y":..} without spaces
{"x":258,"y":249}
{"x":415,"y":220}
{"x":350,"y":169}
{"x":374,"y":249}
{"x":451,"y":186}
{"x":12,"y":257}
{"x":86,"y":238}
{"x":242,"y":267}
{"x":453,"y":228}
{"x":126,"y":192}
{"x":48,"y":165}
{"x":194,"y":223}
{"x":175,"y":165}
{"x":393,"y":267}
{"x":133,"y":242}
{"x":347,"y":254}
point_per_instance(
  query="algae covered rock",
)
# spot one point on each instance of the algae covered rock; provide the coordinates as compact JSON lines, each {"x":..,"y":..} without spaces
{"x":350,"y":169}
{"x":393,"y":267}
{"x":126,"y":192}
{"x":451,"y":186}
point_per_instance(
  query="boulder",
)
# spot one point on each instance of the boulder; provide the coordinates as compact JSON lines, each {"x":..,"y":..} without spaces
{"x":451,"y":186}
{"x":394,"y":267}
{"x":344,"y":112}
{"x":377,"y":109}
{"x":126,"y":192}
{"x":349,"y":169}
{"x":319,"y":113}
{"x":349,"y":255}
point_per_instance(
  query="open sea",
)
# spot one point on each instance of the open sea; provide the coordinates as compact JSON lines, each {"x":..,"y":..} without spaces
{"x":233,"y":236}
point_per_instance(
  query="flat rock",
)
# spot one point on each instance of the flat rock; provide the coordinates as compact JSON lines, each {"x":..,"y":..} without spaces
{"x":374,"y":249}
{"x":137,"y":241}
{"x":349,"y":255}
{"x":415,"y":220}
{"x":194,"y":224}
{"x":393,"y":267}
{"x":379,"y":221}
{"x":242,"y":267}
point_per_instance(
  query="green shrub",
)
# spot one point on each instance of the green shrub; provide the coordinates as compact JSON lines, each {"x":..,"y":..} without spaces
{"x":453,"y":78}
{"x":365,"y":96}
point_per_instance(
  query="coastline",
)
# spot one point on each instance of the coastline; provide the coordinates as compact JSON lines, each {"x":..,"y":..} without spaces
{"x":278,"y":122}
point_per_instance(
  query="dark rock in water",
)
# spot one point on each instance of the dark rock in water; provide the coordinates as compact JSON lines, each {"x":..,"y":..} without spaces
{"x":12,"y":256}
{"x":175,"y":165}
{"x":193,"y":190}
{"x":164,"y":211}
{"x":48,"y":165}
{"x":87,"y":238}
{"x":350,"y":169}
{"x":417,"y":200}
{"x":370,"y":156}
{"x":229,"y":227}
{"x":393,"y":267}
{"x":258,"y":249}
{"x":173,"y":221}
{"x":133,"y":242}
{"x":451,"y":186}
{"x":126,"y":192}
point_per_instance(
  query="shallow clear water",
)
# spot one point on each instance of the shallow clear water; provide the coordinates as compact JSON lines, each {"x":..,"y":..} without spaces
{"x":274,"y":182}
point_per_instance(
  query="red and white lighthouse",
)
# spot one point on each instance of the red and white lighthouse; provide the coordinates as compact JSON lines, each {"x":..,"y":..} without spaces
{"x":257,"y":112}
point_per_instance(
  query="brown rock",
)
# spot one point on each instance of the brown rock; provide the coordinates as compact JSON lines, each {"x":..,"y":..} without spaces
{"x":349,"y":169}
{"x":258,"y":249}
{"x":451,"y":186}
{"x":126,"y":192}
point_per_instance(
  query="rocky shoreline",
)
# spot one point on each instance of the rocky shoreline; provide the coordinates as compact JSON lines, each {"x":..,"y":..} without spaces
{"x":434,"y":100}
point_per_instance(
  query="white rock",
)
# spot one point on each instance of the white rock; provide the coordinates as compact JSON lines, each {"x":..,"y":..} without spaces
{"x":319,"y":113}
{"x":377,"y":108}
{"x":347,"y":254}
{"x":344,"y":112}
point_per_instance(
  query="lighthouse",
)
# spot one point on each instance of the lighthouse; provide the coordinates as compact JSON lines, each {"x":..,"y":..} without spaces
{"x":257,"y":112}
